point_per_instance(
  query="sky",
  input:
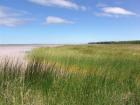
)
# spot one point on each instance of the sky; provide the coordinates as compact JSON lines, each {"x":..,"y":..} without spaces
{"x":68,"y":21}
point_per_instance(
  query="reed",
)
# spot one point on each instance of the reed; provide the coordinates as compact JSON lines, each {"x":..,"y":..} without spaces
{"x":73,"y":75}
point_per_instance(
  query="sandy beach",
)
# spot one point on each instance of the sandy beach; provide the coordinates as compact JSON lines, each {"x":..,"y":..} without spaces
{"x":14,"y":52}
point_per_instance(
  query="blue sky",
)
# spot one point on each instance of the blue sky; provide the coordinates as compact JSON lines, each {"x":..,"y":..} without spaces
{"x":68,"y":21}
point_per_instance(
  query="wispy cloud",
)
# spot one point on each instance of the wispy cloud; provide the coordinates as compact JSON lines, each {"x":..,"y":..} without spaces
{"x":12,"y":22}
{"x":57,"y":20}
{"x":11,"y":18}
{"x":59,"y":3}
{"x":115,"y":12}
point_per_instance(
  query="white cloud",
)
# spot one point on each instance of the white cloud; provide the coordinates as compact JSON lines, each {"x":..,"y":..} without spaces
{"x":12,"y":22}
{"x":114,"y":12}
{"x":11,"y":18}
{"x":57,"y":20}
{"x":103,"y":14}
{"x":117,"y":11}
{"x":60,"y":3}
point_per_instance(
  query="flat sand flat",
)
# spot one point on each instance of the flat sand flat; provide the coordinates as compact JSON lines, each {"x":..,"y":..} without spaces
{"x":18,"y":52}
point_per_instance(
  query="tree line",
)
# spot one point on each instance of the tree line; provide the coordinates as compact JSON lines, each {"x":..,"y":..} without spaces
{"x":116,"y":42}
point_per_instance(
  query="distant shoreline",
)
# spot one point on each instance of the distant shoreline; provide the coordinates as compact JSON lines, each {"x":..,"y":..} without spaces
{"x":116,"y":42}
{"x":29,"y":44}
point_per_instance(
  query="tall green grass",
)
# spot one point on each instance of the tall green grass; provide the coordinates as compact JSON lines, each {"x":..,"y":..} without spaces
{"x":73,"y":75}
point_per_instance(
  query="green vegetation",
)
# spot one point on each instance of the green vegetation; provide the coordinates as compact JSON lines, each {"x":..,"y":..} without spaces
{"x":74,"y":75}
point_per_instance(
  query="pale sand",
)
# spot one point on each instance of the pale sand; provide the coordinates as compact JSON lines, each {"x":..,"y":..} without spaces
{"x":17,"y":52}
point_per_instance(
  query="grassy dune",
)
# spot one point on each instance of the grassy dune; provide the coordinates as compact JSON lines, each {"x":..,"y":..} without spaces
{"x":74,"y":75}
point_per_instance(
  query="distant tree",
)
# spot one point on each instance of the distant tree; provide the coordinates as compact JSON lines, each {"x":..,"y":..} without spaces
{"x":117,"y":42}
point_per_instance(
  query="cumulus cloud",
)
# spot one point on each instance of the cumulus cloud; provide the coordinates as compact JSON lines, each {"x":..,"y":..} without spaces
{"x":60,"y":3}
{"x":115,"y":12}
{"x":57,"y":20}
{"x":11,"y":18}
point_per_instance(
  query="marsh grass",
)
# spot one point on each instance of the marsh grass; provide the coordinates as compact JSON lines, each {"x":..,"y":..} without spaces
{"x":51,"y":77}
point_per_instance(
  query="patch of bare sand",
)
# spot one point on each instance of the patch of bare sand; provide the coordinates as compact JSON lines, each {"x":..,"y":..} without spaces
{"x":16,"y":53}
